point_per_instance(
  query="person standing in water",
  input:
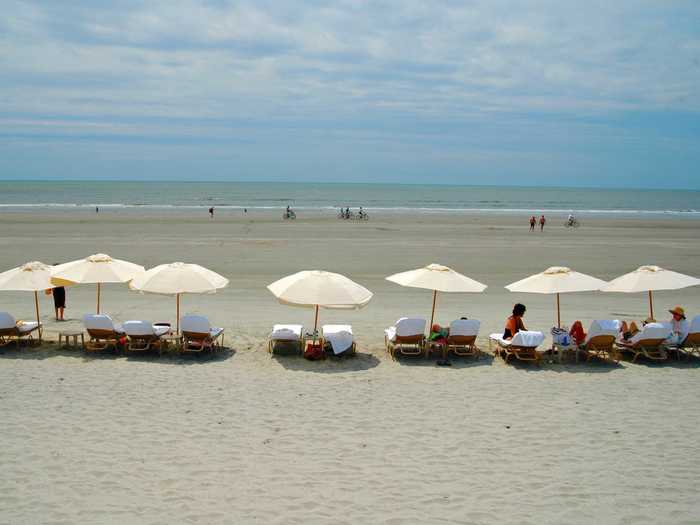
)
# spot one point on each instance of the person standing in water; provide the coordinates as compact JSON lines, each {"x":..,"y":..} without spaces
{"x":542,"y":222}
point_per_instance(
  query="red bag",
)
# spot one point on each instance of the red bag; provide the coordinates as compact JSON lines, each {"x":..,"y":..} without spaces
{"x":577,"y":333}
{"x":314,"y":352}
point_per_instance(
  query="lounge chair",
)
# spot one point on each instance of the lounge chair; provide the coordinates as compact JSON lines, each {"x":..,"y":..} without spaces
{"x":462,"y":337}
{"x":12,"y":330}
{"x":198,"y":334}
{"x":600,"y":340}
{"x":690,"y":338}
{"x":103,"y":332}
{"x":142,"y":335}
{"x":339,"y":337}
{"x":522,"y":346}
{"x":407,"y":336}
{"x":648,"y":342}
{"x":286,"y":333}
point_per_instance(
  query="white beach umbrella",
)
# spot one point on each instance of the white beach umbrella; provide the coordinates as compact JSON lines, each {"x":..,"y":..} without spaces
{"x":648,"y":279}
{"x":320,"y":289}
{"x":30,"y":277}
{"x":557,"y":280}
{"x":437,"y":278}
{"x":96,"y":269}
{"x":178,"y":278}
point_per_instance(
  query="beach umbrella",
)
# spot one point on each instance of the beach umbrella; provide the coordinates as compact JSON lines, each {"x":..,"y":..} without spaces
{"x":648,"y":279}
{"x":30,"y":277}
{"x":320,"y":289}
{"x":96,"y":269}
{"x":437,"y":278}
{"x":557,"y":280}
{"x":178,"y":278}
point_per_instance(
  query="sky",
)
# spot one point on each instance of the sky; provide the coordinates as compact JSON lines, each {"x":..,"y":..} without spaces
{"x":538,"y":92}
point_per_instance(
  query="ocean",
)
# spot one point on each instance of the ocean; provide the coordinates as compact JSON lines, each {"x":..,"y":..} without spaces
{"x":39,"y":195}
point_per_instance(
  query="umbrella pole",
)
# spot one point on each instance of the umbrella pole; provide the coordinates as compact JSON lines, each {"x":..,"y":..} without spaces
{"x":558,"y":313}
{"x":651,"y":306}
{"x":432,"y":314}
{"x":315,"y":323}
{"x":98,"y":298}
{"x":36,"y":305}
{"x":177,"y":321}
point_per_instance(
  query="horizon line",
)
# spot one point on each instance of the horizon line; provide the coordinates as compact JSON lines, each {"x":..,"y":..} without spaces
{"x":446,"y":184}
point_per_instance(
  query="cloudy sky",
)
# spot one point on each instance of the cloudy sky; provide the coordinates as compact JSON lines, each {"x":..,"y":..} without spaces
{"x":595,"y":93}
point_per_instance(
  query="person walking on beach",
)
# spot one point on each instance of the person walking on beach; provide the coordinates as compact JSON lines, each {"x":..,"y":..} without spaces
{"x":211,"y":212}
{"x":533,"y":221}
{"x":542,"y":221}
{"x":97,"y":209}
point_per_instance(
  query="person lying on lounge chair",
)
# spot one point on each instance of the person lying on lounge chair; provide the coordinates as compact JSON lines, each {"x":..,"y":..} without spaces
{"x":627,"y":331}
{"x":515,"y":322}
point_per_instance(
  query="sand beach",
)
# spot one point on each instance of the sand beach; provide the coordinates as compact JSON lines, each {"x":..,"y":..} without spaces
{"x":243,"y":438}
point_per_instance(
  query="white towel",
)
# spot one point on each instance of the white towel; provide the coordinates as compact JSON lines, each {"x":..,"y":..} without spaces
{"x":339,"y":336}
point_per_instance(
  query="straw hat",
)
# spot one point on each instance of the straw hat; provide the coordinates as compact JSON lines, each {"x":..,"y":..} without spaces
{"x":678,"y":311}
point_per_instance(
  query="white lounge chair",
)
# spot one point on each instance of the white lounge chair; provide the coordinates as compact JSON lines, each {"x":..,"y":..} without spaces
{"x":407,"y":336}
{"x":339,"y":337}
{"x":12,"y":330}
{"x":286,"y":333}
{"x":103,"y":332}
{"x":462,"y":337}
{"x":143,"y":335}
{"x":600,"y":340}
{"x":198,"y":335}
{"x":522,"y":346}
{"x":647,"y":342}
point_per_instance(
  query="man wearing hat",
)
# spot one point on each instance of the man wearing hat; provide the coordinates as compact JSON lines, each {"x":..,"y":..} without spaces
{"x":677,"y":324}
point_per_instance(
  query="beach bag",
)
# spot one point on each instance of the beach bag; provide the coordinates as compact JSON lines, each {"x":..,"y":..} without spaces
{"x":577,"y":333}
{"x":314,"y":352}
{"x":560,"y":336}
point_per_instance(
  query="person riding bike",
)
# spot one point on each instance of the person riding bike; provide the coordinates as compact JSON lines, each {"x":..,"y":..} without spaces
{"x":571,"y":220}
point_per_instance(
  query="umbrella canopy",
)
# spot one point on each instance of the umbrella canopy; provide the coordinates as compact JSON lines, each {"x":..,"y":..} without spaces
{"x":99,"y":268}
{"x":30,"y":277}
{"x":178,"y":278}
{"x":648,"y":279}
{"x":437,"y":278}
{"x":317,"y":288}
{"x":557,"y":280}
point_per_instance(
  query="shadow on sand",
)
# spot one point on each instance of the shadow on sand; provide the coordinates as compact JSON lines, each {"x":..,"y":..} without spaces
{"x":455,"y":362}
{"x":331,"y":365}
{"x":49,"y":351}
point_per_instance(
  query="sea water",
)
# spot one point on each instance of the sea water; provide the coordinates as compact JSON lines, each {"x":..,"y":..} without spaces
{"x":40,"y":195}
